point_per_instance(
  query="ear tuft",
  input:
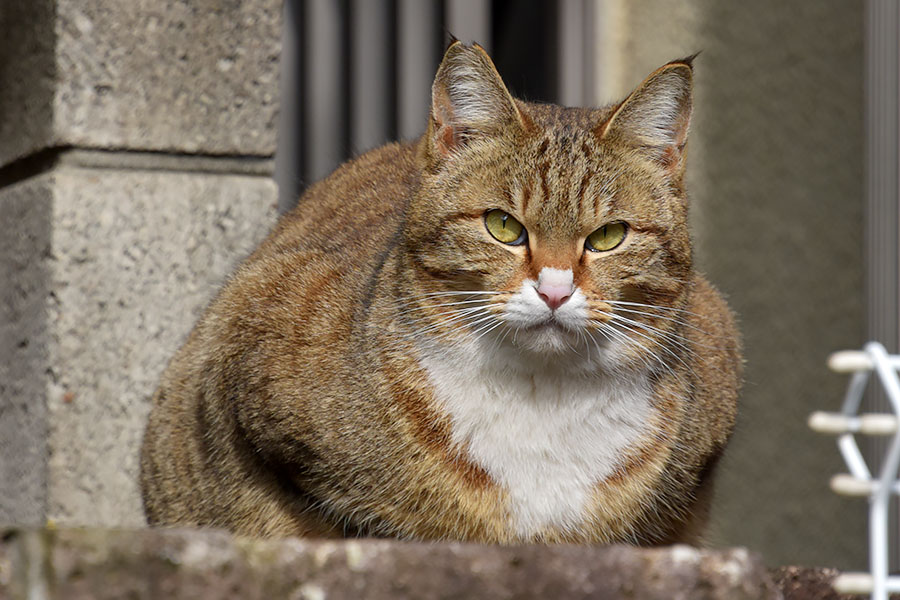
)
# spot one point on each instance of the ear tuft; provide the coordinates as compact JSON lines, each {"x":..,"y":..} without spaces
{"x":468,"y":99}
{"x":656,"y":116}
{"x":687,"y":60}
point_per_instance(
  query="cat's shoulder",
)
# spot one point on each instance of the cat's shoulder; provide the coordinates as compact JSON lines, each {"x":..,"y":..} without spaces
{"x":378,"y":175}
{"x":359,"y":205}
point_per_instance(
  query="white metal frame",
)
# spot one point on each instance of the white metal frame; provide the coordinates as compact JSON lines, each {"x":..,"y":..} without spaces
{"x":859,"y":482}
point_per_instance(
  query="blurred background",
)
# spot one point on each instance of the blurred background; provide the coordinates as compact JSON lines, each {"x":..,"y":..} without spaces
{"x":792,"y":176}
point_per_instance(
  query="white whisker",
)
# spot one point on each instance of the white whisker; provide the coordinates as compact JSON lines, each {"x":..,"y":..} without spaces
{"x":650,"y":339}
{"x":677,"y":320}
{"x":656,"y":307}
{"x":678,"y":340}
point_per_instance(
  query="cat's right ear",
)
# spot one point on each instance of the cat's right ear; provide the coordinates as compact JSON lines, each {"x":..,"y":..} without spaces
{"x":656,"y":117}
{"x":468,"y":102}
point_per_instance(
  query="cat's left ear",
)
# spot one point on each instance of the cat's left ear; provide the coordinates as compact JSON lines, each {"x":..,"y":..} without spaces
{"x":468,"y":101}
{"x":656,"y":116}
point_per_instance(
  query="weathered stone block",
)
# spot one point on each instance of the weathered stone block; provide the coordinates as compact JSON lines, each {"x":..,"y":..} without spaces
{"x":104,"y":273}
{"x":164,"y":75}
{"x":808,"y":583}
{"x":194,"y":564}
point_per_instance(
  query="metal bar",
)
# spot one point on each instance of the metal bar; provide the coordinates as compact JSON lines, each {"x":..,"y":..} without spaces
{"x":878,"y":521}
{"x":288,"y":156}
{"x":417,"y":60}
{"x":882,"y":213}
{"x":866,"y":424}
{"x":874,"y":359}
{"x":324,"y":88}
{"x":882,"y":221}
{"x":572,"y":53}
{"x":850,"y":361}
{"x":846,"y":443}
{"x":861,"y":583}
{"x":372,"y":78}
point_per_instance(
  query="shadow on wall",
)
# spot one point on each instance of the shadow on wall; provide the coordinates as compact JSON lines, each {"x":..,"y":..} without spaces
{"x":23,"y":254}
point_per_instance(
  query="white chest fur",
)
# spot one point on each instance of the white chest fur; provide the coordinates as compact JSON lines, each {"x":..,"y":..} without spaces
{"x":546,"y":437}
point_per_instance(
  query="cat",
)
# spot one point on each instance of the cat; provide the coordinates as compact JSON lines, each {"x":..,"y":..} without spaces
{"x":494,"y":334}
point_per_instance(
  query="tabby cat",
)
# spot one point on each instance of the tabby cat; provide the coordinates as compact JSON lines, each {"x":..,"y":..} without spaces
{"x":494,"y":333}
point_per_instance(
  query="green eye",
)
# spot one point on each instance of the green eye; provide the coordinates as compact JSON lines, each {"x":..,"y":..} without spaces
{"x":504,"y":228}
{"x":606,"y":238}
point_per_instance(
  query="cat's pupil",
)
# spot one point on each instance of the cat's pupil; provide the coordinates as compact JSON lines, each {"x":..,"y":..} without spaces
{"x":505,"y":228}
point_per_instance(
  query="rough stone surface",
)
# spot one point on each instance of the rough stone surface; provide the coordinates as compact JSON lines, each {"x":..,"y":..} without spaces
{"x":100,"y":564}
{"x":807,"y":583}
{"x":164,"y":75}
{"x":25,"y":273}
{"x":105,"y":273}
{"x":775,"y":173}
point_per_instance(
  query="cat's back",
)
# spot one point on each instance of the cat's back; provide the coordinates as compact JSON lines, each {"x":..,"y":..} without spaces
{"x":311,"y":276}
{"x":293,"y":308}
{"x":354,"y":211}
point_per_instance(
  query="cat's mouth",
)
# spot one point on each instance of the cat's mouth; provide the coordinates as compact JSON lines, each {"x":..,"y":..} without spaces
{"x":550,"y":323}
{"x":550,"y":336}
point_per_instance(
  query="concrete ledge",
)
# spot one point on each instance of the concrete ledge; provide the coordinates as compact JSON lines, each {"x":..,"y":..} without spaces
{"x":808,"y":583}
{"x":102,"y":564}
{"x":177,"y":163}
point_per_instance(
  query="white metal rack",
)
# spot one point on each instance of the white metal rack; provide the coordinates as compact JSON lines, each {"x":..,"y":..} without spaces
{"x":847,"y":424}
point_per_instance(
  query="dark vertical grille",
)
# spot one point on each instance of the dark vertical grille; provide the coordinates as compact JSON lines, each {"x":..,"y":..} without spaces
{"x":373,"y":79}
{"x":358,"y":73}
{"x":525,"y":47}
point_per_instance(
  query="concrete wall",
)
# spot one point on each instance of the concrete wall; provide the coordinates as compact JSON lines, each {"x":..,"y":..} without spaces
{"x":776,"y":180}
{"x":136,"y":145}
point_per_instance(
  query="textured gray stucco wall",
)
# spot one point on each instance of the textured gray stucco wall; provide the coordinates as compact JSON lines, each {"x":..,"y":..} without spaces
{"x":776,"y":179}
{"x":24,"y":244}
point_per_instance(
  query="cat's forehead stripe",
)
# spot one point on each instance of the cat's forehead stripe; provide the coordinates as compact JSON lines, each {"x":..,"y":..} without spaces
{"x":543,"y":170}
{"x":525,"y":193}
{"x":566,"y":178}
{"x":582,"y":189}
{"x":610,"y":202}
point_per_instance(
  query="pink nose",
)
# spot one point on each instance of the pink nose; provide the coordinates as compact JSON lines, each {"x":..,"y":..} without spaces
{"x":554,"y":295}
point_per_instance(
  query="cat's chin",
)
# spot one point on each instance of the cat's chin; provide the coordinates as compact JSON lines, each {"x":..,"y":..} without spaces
{"x":549,"y":339}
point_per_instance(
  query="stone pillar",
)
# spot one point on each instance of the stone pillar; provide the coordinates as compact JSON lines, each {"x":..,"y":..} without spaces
{"x":136,"y":147}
